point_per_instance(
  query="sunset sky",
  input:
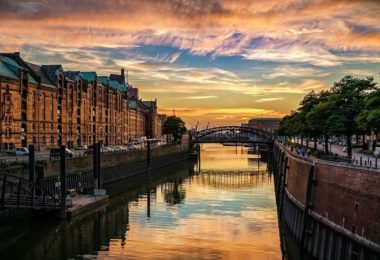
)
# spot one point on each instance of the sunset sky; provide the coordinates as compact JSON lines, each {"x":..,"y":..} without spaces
{"x":222,"y":62}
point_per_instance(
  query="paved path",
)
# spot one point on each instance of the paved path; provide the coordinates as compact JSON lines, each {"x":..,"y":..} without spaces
{"x":369,"y":160}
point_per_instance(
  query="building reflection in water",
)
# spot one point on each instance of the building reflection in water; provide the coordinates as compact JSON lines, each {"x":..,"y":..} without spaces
{"x":227,"y":210}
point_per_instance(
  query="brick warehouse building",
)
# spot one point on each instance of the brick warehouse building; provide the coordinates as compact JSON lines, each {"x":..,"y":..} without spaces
{"x":48,"y":106}
{"x":267,"y":124}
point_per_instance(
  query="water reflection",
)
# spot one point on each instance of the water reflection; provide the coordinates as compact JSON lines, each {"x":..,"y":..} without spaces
{"x":227,"y":210}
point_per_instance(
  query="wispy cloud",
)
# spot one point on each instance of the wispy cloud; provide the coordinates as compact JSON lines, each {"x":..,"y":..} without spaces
{"x":200,"y":97}
{"x":261,"y":100}
{"x":217,"y":50}
{"x":295,"y":72}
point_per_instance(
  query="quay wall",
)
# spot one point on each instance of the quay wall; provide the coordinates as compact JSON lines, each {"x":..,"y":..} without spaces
{"x":332,"y":209}
{"x":77,"y":165}
{"x":114,"y":167}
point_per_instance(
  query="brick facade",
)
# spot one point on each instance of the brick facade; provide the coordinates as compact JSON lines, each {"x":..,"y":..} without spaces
{"x":267,"y":124}
{"x":344,"y":195}
{"x":48,"y":106}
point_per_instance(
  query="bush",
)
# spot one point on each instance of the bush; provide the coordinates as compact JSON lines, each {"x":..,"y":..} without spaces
{"x":366,"y":152}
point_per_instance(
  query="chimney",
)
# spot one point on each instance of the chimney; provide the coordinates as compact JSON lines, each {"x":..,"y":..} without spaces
{"x":122,"y":75}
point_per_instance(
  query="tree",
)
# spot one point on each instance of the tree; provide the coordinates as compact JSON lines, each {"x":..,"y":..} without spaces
{"x":318,"y":120}
{"x":309,"y":102}
{"x":174,"y":126}
{"x":348,"y":98}
{"x":369,"y":118}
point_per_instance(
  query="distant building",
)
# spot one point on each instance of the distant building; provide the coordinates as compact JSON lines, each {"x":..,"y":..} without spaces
{"x":48,"y":106}
{"x":267,"y":124}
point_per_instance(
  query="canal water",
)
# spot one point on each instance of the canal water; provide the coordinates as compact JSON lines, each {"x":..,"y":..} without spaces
{"x":226,"y":209}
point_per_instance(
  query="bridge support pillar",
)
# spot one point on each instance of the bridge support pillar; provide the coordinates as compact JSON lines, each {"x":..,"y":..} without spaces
{"x":63,"y":181}
{"x":199,"y":157}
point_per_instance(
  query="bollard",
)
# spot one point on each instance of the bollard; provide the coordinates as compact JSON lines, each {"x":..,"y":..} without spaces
{"x":376,"y":162}
{"x":361,"y":161}
{"x":31,"y":172}
{"x":63,"y":181}
{"x":31,"y":163}
{"x":148,"y":158}
{"x":96,"y":166}
{"x":370,"y":163}
{"x":99,"y":169}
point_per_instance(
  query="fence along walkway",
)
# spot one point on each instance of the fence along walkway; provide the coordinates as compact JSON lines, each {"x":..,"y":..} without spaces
{"x":17,"y":192}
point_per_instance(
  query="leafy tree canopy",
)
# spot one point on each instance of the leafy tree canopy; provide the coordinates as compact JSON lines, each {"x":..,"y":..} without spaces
{"x":174,"y":126}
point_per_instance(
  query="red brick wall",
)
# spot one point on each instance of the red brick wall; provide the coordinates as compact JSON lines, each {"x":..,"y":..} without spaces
{"x":347,"y":196}
{"x":340,"y":189}
{"x":296,"y":178}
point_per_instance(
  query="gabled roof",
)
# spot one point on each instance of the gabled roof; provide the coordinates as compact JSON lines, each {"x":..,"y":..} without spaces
{"x":71,"y":75}
{"x":51,"y":72}
{"x":36,"y":70}
{"x":90,"y":76}
{"x":13,"y":64}
{"x":103,"y":79}
{"x":6,"y":71}
{"x":117,"y":77}
{"x":150,"y":104}
{"x":116,"y":85}
{"x":134,"y":93}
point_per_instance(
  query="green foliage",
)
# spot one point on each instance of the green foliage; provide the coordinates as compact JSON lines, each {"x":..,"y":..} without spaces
{"x":174,"y":126}
{"x":351,"y":106}
{"x":369,"y":118}
{"x":366,"y":152}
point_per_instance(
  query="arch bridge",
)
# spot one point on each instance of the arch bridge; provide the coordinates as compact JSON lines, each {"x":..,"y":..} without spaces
{"x":232,"y":134}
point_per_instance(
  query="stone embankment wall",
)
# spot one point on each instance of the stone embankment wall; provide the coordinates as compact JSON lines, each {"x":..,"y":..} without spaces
{"x":107,"y":160}
{"x":114,"y":167}
{"x":332,"y":209}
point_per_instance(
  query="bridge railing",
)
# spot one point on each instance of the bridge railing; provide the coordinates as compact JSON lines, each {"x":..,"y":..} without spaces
{"x":232,"y":134}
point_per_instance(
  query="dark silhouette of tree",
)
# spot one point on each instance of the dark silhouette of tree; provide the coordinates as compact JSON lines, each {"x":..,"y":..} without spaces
{"x":174,"y":126}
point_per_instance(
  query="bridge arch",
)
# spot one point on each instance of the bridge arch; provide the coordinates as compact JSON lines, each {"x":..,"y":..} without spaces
{"x":231,"y":134}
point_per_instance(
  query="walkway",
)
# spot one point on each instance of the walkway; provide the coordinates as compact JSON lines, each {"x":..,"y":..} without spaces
{"x":357,"y":158}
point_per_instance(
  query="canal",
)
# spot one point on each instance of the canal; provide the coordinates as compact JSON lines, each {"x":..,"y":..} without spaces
{"x":225,"y":210}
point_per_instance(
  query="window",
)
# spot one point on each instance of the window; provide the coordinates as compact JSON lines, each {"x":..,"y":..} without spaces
{"x":51,"y":139}
{"x":52,"y":108}
{"x":8,"y":133}
{"x":43,"y":106}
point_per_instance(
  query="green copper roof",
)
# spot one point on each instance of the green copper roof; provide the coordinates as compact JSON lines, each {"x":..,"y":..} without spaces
{"x":89,"y":76}
{"x":31,"y":79}
{"x":6,"y":72}
{"x":103,"y":79}
{"x":10,"y":68}
{"x":116,"y":85}
{"x":132,"y":104}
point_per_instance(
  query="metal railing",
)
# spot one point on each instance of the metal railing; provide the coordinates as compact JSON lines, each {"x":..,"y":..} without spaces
{"x":17,"y":192}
